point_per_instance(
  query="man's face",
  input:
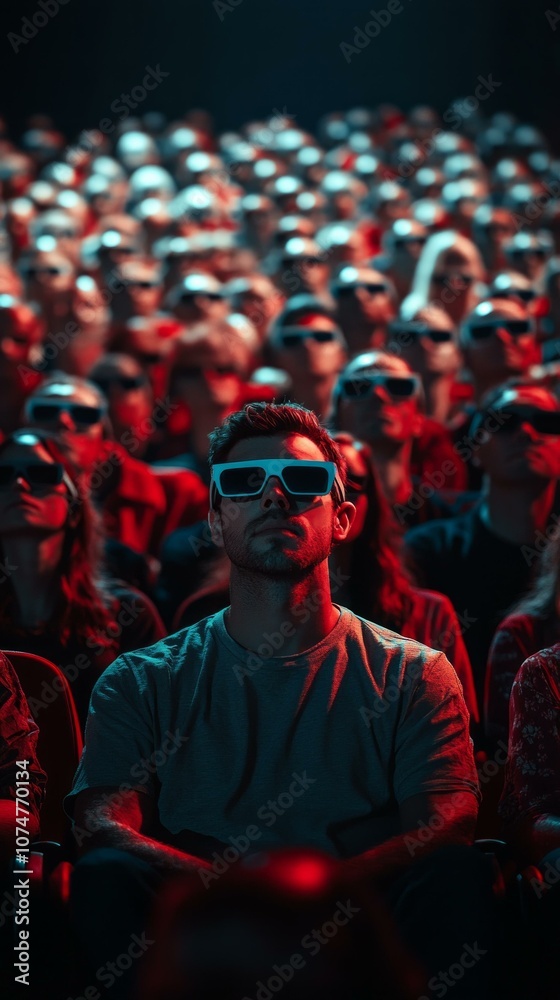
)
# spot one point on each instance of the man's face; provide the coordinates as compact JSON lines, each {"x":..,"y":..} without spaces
{"x":48,"y":275}
{"x":205,"y":377}
{"x":381,"y":417}
{"x":517,"y":452}
{"x":276,"y":534}
{"x":304,"y":352}
{"x":141,"y":292}
{"x":502,"y":354}
{"x":24,"y":506}
{"x":365,"y":303}
{"x":425,"y":350}
{"x":130,"y":400}
{"x":75,"y":416}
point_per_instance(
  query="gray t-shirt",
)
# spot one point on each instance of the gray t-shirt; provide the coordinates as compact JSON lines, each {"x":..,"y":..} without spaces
{"x":316,"y":749}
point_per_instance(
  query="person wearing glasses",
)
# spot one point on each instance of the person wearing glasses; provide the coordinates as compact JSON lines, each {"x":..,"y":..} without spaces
{"x":498,"y":340}
{"x":54,"y":600}
{"x":365,"y":305}
{"x":532,"y":624}
{"x":378,"y":399}
{"x":199,"y":297}
{"x":126,"y":491}
{"x":450,"y":272}
{"x":312,"y":351}
{"x":492,"y":226}
{"x":428,"y":344}
{"x":209,"y":374}
{"x":376,"y":585}
{"x":48,"y":277}
{"x":138,"y":290}
{"x":483,"y":560}
{"x":271,"y":696}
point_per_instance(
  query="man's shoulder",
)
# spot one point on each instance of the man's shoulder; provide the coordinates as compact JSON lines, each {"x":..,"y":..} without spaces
{"x":386,"y":645}
{"x":172,"y":653}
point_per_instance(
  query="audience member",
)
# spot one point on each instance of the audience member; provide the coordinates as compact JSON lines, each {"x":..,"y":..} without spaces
{"x":532,"y":624}
{"x":515,"y":438}
{"x":53,"y":599}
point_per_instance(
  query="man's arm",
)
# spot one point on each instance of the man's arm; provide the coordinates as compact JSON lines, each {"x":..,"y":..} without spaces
{"x":428,"y":821}
{"x":107,"y":817}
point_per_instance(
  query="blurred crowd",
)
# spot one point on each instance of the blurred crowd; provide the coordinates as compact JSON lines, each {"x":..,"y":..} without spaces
{"x":398,"y":278}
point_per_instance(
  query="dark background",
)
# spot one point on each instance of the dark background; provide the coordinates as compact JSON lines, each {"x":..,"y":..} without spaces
{"x":279,"y":54}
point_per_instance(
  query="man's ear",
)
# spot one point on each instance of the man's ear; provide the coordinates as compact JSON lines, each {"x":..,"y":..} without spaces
{"x":343,"y":517}
{"x":216,"y":528}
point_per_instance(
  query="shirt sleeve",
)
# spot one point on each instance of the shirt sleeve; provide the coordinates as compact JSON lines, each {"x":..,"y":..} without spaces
{"x":120,"y":734}
{"x":18,"y":740}
{"x":434,"y":752}
{"x":531,"y":781}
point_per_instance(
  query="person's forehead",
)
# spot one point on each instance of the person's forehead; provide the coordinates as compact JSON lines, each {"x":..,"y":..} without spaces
{"x":528,"y":396}
{"x":315,"y":321}
{"x":124,"y":365}
{"x":386,"y":363}
{"x":276,"y":446}
{"x":434,"y":318}
{"x":69,"y":393}
{"x":507,"y":308}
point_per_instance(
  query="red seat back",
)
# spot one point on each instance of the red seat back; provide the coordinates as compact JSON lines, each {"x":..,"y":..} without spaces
{"x":60,"y":737}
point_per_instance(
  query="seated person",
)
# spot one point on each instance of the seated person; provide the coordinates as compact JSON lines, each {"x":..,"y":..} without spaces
{"x":53,"y":598}
{"x":516,"y":439}
{"x":498,"y":340}
{"x":530,"y":810}
{"x":210,"y":367}
{"x":133,"y":501}
{"x":428,"y":345}
{"x":378,"y":400}
{"x":365,"y":305}
{"x":450,"y":272}
{"x":312,"y":351}
{"x":368,"y":576}
{"x":532,"y":624}
{"x":260,"y":697}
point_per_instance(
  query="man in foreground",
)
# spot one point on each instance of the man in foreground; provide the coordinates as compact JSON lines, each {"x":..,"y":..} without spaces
{"x":283,"y":720}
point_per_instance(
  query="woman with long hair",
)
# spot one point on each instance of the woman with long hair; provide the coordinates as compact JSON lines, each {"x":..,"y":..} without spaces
{"x":450,"y":272}
{"x":532,"y":624}
{"x":369,"y":578}
{"x":54,"y":599}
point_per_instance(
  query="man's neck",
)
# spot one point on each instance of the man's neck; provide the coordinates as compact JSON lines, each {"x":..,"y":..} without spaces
{"x":516,"y":515}
{"x":280,"y":613}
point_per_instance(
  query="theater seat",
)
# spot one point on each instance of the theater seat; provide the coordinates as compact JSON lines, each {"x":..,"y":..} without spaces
{"x":60,"y":737}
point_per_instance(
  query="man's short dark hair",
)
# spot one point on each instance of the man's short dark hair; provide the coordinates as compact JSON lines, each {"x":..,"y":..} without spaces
{"x":269,"y":419}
